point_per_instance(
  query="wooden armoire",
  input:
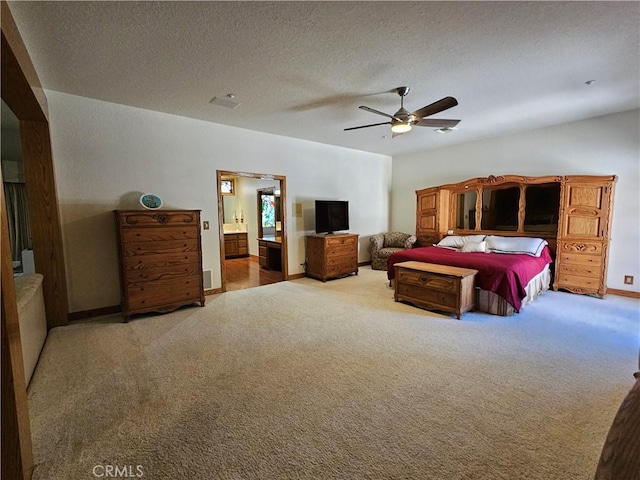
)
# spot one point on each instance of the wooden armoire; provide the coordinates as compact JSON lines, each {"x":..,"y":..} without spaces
{"x":586,"y":208}
{"x":572,"y":212}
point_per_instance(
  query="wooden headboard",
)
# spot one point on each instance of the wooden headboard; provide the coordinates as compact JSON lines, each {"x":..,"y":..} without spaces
{"x":513,"y":205}
{"x":572,"y":212}
{"x":494,"y":205}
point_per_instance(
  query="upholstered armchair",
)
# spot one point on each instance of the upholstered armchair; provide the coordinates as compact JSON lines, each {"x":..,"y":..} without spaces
{"x":384,"y":244}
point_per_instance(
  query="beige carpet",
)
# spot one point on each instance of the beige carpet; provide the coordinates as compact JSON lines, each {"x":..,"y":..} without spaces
{"x":307,"y":380}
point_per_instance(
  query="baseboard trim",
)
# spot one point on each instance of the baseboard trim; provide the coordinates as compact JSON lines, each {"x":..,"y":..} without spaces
{"x":95,"y":312}
{"x":623,"y":293}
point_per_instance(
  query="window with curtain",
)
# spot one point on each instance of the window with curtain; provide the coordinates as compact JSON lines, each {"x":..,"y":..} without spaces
{"x":15,"y":197}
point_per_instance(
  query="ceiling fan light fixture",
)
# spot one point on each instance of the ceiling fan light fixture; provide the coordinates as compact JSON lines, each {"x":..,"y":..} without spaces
{"x":403,"y":120}
{"x":401,"y":128}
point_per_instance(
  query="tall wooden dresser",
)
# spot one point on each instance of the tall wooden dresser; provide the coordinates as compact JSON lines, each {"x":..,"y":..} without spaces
{"x":584,"y":230}
{"x":160,"y":255}
{"x":332,"y":256}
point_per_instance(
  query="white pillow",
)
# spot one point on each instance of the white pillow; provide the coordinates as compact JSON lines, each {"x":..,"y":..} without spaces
{"x":475,"y":247}
{"x":527,"y":245}
{"x":458,"y":241}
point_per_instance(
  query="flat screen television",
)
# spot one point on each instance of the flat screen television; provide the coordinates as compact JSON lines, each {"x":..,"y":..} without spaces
{"x":332,"y":216}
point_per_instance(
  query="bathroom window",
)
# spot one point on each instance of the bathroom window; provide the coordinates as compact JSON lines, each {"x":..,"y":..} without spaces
{"x":227,"y":187}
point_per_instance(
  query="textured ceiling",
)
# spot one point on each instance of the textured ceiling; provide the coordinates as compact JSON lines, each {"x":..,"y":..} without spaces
{"x":301,"y":69}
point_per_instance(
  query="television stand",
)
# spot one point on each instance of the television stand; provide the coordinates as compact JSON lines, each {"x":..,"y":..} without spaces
{"x":332,"y":255}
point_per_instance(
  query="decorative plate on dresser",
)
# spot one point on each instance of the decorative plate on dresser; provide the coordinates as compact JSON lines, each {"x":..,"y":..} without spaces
{"x":160,"y":257}
{"x":151,"y":201}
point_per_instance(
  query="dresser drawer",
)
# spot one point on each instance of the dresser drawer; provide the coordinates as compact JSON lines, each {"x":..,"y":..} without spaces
{"x":580,"y":270}
{"x":166,"y":217}
{"x":435,"y":298}
{"x":427,"y":240}
{"x":161,"y":273}
{"x":152,"y":300}
{"x":568,"y":280}
{"x":341,"y":240}
{"x":160,"y":247}
{"x":161,"y":260}
{"x":428,"y":280}
{"x":341,"y":269}
{"x":151,"y":234}
{"x":337,"y":250}
{"x":584,"y":248}
{"x":580,"y":259}
{"x":163,"y":287}
{"x":347,"y":259}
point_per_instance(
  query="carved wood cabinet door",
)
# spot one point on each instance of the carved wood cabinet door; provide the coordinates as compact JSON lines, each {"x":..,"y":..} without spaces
{"x":432,"y":210}
{"x":586,"y":214}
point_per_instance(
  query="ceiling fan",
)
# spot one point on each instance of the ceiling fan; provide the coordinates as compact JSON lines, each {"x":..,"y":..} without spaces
{"x":403,"y":121}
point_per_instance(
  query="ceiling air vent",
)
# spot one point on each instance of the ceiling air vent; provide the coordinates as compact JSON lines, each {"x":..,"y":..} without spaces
{"x":226,"y":101}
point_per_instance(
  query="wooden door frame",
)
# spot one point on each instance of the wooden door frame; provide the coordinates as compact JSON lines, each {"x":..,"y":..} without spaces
{"x":24,"y":95}
{"x":283,"y":199}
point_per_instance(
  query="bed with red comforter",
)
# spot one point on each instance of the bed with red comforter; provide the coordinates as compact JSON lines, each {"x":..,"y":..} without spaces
{"x":506,"y":275}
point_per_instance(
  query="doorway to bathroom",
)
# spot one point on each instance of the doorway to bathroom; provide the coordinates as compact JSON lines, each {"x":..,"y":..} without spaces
{"x":253,"y":229}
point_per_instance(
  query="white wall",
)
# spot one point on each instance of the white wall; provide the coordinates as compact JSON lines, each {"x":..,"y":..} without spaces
{"x":608,"y":145}
{"x":107,"y":155}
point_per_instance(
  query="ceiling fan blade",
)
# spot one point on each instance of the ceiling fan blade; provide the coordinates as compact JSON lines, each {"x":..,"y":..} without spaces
{"x":436,"y":107}
{"x":378,"y":112}
{"x":437,"y":122}
{"x":366,"y":126}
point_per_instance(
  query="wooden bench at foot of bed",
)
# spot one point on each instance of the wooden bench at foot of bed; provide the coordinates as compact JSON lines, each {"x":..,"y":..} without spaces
{"x":435,"y":287}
